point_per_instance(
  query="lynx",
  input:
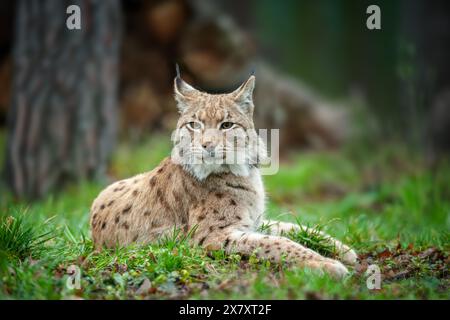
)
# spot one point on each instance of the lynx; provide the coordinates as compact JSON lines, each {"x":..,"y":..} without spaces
{"x":221,"y":204}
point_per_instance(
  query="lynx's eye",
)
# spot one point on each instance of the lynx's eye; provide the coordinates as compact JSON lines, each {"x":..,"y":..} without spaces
{"x":194,"y":125}
{"x":226,"y":125}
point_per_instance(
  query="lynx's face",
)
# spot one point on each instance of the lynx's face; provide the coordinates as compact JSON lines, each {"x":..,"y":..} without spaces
{"x":215,"y":133}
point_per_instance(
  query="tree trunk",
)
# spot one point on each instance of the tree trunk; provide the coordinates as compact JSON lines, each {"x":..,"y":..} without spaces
{"x":62,"y":120}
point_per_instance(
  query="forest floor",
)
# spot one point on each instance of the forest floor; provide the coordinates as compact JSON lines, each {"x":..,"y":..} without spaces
{"x":383,"y":202}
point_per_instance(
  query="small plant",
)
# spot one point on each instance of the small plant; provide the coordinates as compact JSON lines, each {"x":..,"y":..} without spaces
{"x":265,"y":227}
{"x":176,"y":238}
{"x":313,"y":238}
{"x":19,"y":239}
{"x":310,"y":237}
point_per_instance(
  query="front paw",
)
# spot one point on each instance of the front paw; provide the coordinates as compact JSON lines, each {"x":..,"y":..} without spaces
{"x":336,"y":269}
{"x":349,"y":257}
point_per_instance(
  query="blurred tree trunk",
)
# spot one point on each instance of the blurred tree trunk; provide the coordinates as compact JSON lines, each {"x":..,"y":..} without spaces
{"x":62,"y":120}
{"x":425,"y":75}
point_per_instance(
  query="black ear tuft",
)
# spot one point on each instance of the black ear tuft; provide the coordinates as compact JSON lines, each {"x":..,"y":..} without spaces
{"x":183,"y":91}
{"x":177,"y":68}
{"x":244,"y":96}
{"x":178,"y":82}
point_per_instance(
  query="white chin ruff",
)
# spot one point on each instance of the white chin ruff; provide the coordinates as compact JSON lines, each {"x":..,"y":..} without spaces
{"x":202,"y":171}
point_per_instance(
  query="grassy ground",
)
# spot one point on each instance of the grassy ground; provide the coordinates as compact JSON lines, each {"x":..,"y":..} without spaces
{"x":391,"y":209}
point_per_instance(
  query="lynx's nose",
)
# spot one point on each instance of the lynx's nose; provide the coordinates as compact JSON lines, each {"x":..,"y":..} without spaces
{"x":209,"y":147}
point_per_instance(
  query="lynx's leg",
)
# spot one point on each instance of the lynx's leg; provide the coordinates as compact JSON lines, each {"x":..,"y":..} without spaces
{"x":274,"y":248}
{"x":346,"y":254}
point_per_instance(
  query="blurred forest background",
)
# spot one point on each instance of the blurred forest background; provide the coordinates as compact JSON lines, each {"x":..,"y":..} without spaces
{"x":316,"y":63}
{"x":364,"y":119}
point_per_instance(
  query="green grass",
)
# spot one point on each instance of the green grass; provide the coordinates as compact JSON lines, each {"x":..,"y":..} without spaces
{"x":18,"y":239}
{"x":384,"y":203}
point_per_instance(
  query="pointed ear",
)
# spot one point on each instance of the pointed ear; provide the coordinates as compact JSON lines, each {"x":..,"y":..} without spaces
{"x":183,"y":93}
{"x":244,"y":95}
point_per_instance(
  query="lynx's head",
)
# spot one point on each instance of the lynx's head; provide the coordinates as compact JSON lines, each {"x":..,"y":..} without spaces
{"x":215,"y":132}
